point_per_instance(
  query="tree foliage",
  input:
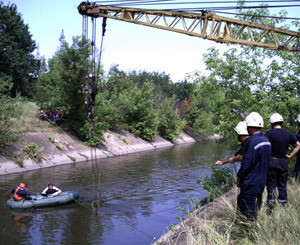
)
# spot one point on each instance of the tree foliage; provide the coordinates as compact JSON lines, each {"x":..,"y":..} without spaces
{"x":169,"y":122}
{"x":135,"y":101}
{"x":17,"y":62}
{"x":245,"y":79}
{"x":60,"y":87}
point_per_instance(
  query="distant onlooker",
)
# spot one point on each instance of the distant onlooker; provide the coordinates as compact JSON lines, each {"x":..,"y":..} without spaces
{"x":60,"y":117}
{"x":42,"y":115}
{"x":48,"y":114}
{"x":54,"y":116}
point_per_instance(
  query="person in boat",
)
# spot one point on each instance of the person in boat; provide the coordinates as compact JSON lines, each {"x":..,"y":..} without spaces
{"x":51,"y":190}
{"x":243,"y":137}
{"x":21,"y":192}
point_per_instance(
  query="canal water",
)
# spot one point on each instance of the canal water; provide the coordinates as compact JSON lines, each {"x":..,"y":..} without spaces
{"x":142,"y":195}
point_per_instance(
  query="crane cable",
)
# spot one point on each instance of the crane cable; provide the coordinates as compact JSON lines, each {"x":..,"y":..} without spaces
{"x":215,"y":9}
{"x":90,"y":91}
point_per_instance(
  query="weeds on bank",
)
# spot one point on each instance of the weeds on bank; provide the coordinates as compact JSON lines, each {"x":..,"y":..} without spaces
{"x":33,"y":152}
{"x":51,"y":139}
{"x":57,"y":146}
{"x":219,"y":182}
{"x":17,"y":158}
{"x":29,"y":119}
{"x":72,"y":158}
{"x":227,"y":226}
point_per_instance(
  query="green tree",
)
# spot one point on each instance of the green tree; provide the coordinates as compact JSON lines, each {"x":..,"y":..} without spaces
{"x":162,"y":82}
{"x":169,"y":122}
{"x":16,"y":58}
{"x":49,"y":85}
{"x":124,"y":103}
{"x":250,"y":79}
{"x":73,"y":69}
{"x":206,"y":106}
{"x":139,"y":114}
{"x":61,"y":85}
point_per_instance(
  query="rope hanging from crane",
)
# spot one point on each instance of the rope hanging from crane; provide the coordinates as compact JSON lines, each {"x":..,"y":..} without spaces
{"x":90,"y":90}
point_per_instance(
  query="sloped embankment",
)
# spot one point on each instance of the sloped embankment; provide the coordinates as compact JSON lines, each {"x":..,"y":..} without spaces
{"x":68,"y":149}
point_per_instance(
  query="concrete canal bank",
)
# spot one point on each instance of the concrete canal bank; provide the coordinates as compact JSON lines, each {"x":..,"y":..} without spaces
{"x":68,"y":149}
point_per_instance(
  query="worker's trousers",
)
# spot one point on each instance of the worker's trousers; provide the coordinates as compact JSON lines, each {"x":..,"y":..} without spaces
{"x":297,"y":166}
{"x":277,"y":177}
{"x":249,"y":204}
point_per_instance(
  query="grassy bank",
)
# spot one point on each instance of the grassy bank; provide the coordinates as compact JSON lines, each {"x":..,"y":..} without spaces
{"x":29,"y":120}
{"x":225,"y":226}
{"x":14,"y":145}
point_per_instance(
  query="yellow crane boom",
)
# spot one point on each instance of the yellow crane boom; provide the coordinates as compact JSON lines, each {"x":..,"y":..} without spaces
{"x":205,"y":25}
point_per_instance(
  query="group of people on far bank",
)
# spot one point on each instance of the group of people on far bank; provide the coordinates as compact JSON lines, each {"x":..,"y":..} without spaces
{"x":52,"y":116}
{"x":264,"y":162}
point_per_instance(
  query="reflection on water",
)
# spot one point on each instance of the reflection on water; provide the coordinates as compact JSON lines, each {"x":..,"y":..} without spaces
{"x":140,"y":196}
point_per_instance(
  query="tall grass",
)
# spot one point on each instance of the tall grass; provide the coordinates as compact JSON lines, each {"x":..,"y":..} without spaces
{"x":227,"y":226}
{"x":29,"y":120}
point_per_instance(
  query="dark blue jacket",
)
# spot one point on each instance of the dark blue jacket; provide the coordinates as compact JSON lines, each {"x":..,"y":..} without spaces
{"x":21,"y":191}
{"x":298,"y":138}
{"x":255,"y":164}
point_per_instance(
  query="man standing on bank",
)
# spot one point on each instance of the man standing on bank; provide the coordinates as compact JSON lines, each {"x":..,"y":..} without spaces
{"x":243,"y":137}
{"x":252,"y":176}
{"x":278,"y":171}
{"x":297,"y":165}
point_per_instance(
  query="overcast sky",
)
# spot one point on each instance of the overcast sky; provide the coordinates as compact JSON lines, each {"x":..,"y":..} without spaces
{"x":133,"y":47}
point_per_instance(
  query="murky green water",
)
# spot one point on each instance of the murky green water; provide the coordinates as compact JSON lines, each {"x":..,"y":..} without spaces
{"x":140,"y":192}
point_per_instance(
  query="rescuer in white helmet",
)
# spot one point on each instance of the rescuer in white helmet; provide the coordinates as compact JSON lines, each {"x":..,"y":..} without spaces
{"x":278,"y":171}
{"x":243,"y":136}
{"x":297,"y":165}
{"x":252,"y":175}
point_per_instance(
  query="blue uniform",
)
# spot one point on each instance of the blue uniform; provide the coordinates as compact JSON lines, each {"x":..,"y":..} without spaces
{"x":298,"y":158}
{"x":253,"y":173}
{"x":278,"y":171}
{"x":242,"y":149}
{"x":22,"y":192}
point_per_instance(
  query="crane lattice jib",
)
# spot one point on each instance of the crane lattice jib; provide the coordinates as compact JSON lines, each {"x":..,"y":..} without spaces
{"x":205,"y":25}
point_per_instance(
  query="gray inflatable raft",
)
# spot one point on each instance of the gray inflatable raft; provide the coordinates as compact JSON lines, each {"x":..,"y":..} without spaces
{"x":39,"y":200}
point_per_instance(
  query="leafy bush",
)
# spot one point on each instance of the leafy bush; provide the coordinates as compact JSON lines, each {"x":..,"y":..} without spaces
{"x":169,"y":122}
{"x":215,"y":183}
{"x":140,"y":115}
{"x":33,"y":152}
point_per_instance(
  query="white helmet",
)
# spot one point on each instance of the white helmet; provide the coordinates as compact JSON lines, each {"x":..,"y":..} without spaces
{"x":241,"y":128}
{"x":254,"y":120}
{"x":298,"y":119}
{"x":276,"y":117}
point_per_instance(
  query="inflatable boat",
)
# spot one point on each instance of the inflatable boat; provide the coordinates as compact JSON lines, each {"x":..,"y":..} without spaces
{"x":39,"y":200}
